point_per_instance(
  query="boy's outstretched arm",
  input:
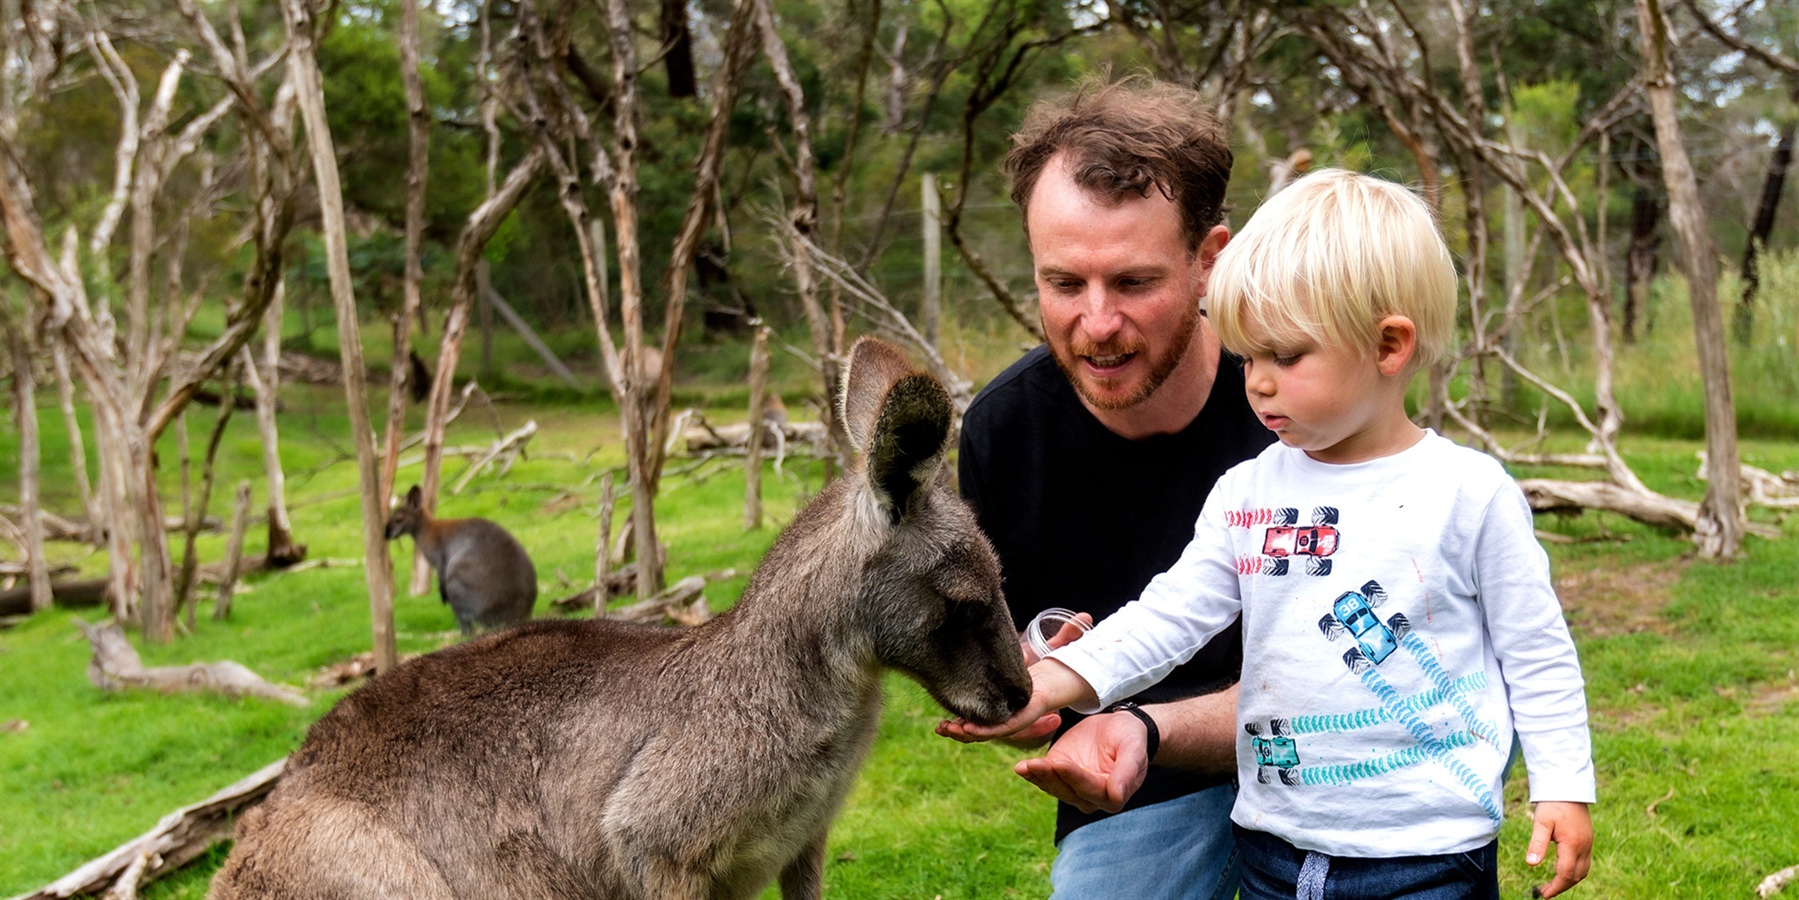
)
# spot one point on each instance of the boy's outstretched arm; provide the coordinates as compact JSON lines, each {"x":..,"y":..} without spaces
{"x":1570,"y":828}
{"x":1053,"y":686}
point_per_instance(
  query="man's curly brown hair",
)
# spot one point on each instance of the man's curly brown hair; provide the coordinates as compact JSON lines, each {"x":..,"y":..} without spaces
{"x":1124,"y":138}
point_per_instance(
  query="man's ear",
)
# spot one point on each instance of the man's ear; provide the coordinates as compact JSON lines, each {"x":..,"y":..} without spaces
{"x":1207,"y":254}
{"x":1396,"y":346}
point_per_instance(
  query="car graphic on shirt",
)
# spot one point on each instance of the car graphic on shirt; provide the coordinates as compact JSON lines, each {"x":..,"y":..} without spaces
{"x":1353,"y":613}
{"x":1278,"y":751}
{"x":1285,"y":539}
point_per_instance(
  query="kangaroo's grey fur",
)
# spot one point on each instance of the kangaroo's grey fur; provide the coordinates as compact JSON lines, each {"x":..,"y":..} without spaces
{"x":595,"y":759}
{"x":483,"y":573}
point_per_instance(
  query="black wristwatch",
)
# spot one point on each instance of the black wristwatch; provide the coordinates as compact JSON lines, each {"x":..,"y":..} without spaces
{"x":1149,"y":724}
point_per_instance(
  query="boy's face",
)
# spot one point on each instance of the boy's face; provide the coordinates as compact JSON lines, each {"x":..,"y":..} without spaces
{"x":1337,"y":405}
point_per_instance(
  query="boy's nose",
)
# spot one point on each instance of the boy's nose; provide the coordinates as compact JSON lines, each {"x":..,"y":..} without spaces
{"x":1258,"y":380}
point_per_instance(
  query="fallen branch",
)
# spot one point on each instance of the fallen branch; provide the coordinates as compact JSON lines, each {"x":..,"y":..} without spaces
{"x":57,"y":528}
{"x":1547,"y":495}
{"x":1775,"y":883}
{"x":736,"y":435}
{"x":66,"y":594}
{"x":356,"y":668}
{"x":1764,"y":487}
{"x":619,"y":582}
{"x":323,"y":562}
{"x":509,"y":446}
{"x":683,"y":603}
{"x":178,"y":839}
{"x":10,"y":569}
{"x":116,"y":666}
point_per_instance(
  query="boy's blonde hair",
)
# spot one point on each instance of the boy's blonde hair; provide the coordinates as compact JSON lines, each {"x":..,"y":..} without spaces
{"x":1325,"y":260}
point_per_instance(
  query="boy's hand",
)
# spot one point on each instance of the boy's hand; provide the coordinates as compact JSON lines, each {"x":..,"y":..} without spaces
{"x":1569,"y":827}
{"x":1053,"y":686}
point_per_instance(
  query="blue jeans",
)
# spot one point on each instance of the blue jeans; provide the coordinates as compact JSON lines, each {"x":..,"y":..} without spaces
{"x":1179,"y":849}
{"x":1272,"y":871}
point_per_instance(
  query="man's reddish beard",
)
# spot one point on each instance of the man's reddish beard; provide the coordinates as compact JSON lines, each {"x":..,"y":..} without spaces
{"x":1159,"y":368}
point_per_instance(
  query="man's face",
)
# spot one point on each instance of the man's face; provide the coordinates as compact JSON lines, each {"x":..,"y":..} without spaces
{"x":1118,"y":290}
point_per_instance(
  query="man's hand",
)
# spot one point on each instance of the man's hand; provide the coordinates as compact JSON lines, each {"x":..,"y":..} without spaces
{"x":1097,"y":765}
{"x":1569,"y":827}
{"x":1053,"y":686}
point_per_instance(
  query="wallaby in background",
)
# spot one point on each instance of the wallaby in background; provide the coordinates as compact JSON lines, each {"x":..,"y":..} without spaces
{"x":483,"y":573}
{"x":601,"y":759}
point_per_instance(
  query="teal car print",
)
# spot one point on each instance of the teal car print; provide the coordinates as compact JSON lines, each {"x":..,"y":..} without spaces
{"x":1278,"y":751}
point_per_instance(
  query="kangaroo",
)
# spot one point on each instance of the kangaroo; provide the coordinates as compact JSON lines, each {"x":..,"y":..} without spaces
{"x":603,"y":759}
{"x":482,"y":572}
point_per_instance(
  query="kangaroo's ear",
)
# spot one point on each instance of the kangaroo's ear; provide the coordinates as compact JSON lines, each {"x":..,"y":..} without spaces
{"x":415,"y":498}
{"x":874,"y":368}
{"x":905,"y":452}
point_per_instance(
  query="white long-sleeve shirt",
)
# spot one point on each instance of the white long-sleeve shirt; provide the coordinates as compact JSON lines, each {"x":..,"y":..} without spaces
{"x":1399,"y":626}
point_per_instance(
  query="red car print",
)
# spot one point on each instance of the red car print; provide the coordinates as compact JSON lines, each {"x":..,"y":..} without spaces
{"x":1286,"y":540}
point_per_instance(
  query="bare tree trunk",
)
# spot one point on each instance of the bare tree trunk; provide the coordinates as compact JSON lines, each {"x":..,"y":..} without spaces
{"x":752,"y":454}
{"x":931,"y":308}
{"x":65,"y":394}
{"x":234,"y":551}
{"x":311,"y":94}
{"x":740,"y":49}
{"x":630,"y":297}
{"x":1474,"y":201}
{"x":1720,"y":527}
{"x":418,"y":129}
{"x":265,"y":383}
{"x":196,"y":512}
{"x":677,"y":49}
{"x":804,"y":218}
{"x":1762,"y":228}
{"x":479,"y":229}
{"x":25,"y":412}
{"x":602,"y":553}
{"x":1639,"y":262}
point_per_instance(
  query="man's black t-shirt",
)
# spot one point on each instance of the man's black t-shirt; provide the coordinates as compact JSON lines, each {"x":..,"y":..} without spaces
{"x":1084,"y":518}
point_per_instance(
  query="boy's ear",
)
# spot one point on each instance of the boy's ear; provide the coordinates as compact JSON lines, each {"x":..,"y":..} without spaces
{"x":1397,"y":346}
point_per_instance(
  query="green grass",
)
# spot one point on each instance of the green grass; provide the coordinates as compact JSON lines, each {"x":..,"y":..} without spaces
{"x":1690,"y":666}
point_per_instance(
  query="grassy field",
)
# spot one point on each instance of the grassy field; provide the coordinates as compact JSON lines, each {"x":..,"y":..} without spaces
{"x":1691,"y":666}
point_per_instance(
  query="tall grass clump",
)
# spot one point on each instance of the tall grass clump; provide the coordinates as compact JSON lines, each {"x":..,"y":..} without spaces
{"x":1658,"y":377}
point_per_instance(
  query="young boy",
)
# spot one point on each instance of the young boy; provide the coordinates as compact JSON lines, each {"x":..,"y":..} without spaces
{"x":1399,"y":625}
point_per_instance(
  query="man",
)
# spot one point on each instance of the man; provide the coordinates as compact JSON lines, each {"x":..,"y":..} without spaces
{"x":1088,"y":460}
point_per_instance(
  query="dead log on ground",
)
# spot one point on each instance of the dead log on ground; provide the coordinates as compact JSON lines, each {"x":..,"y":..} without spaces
{"x":66,"y":594}
{"x":736,"y":435}
{"x":178,"y":839}
{"x":1764,"y":487}
{"x":683,"y":603}
{"x":1777,"y":882}
{"x":357,"y":668}
{"x":57,"y":528}
{"x":1547,"y":495}
{"x":619,"y":582}
{"x":116,"y":666}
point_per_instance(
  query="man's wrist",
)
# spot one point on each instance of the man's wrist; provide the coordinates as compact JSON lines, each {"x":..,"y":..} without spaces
{"x":1151,"y":731}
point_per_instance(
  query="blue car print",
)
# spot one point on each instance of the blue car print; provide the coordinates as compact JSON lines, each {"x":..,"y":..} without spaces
{"x":1353,"y":613}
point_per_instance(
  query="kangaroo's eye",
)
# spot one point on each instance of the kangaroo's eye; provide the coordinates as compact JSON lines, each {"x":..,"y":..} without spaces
{"x":965,"y":613}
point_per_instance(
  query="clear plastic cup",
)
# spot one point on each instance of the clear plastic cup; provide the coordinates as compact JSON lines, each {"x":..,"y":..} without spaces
{"x":1047,"y":625}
